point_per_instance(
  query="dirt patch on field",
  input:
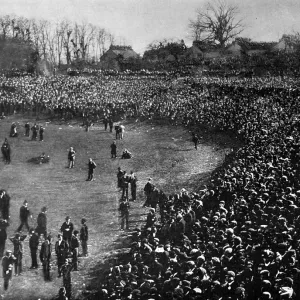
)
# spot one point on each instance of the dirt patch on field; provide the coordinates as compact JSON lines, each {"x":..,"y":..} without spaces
{"x":162,"y":152}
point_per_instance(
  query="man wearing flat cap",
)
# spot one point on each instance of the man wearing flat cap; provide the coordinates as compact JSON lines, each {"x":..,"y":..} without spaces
{"x":42,"y":223}
{"x":45,"y":256}
{"x":33,"y":245}
{"x":7,"y":266}
{"x":24,"y":215}
{"x":17,"y":241}
{"x":61,"y":250}
{"x":74,"y":247}
{"x":84,"y":236}
{"x":67,"y":229}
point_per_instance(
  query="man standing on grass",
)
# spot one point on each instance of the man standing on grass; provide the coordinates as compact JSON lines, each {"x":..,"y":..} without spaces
{"x":111,"y":124}
{"x":125,"y":184}
{"x":41,"y":132}
{"x":71,"y":157}
{"x":34,"y":130}
{"x":24,"y":215}
{"x":67,"y":280}
{"x":74,"y":246}
{"x":45,"y":256}
{"x":5,"y":149}
{"x":124,"y":209}
{"x":61,"y":250}
{"x":195,"y":140}
{"x":119,"y":177}
{"x":33,"y":245}
{"x":92,"y":166}
{"x":149,"y":186}
{"x":42,"y":223}
{"x":4,"y":204}
{"x":113,"y":149}
{"x":67,"y":230}
{"x":133,"y":185}
{"x":84,"y":236}
{"x":7,"y":266}
{"x":17,"y":241}
{"x":3,"y":235}
{"x":27,"y":129}
{"x":105,"y":122}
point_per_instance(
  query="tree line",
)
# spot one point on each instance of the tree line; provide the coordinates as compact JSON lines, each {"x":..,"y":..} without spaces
{"x":59,"y":43}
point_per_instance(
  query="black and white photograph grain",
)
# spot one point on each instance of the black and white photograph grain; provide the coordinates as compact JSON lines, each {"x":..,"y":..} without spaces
{"x":150,"y":149}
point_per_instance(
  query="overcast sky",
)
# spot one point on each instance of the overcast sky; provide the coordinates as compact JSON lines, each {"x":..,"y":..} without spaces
{"x":139,"y":22}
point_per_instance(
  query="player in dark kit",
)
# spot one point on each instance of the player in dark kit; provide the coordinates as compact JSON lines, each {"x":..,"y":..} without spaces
{"x":148,"y":190}
{"x":67,"y":229}
{"x":61,"y":250}
{"x":27,"y":129}
{"x":91,"y":166}
{"x":33,"y":245}
{"x":7,"y":267}
{"x":13,"y":130}
{"x":42,"y":223}
{"x":41,"y":132}
{"x":113,"y":149}
{"x":4,"y":204}
{"x":3,"y":235}
{"x":195,"y":140}
{"x":45,"y":256}
{"x":84,"y":236}
{"x":111,"y":124}
{"x":34,"y":130}
{"x":67,"y":280}
{"x":105,"y":122}
{"x":119,"y":177}
{"x":133,"y":185}
{"x":74,"y":247}
{"x":17,"y":241}
{"x":24,"y":215}
{"x":124,"y":209}
{"x":5,"y":149}
{"x":71,"y":157}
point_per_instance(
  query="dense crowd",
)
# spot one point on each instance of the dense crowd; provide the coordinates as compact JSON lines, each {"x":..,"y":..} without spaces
{"x":238,"y":237}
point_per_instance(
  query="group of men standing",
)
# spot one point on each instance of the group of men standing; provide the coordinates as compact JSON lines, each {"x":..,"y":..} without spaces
{"x":66,"y":247}
{"x":36,"y":129}
{"x":124,"y":180}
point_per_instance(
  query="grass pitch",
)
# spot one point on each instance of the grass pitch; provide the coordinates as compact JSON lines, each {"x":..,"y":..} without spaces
{"x":162,"y":152}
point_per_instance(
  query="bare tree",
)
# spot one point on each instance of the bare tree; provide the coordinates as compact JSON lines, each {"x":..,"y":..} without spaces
{"x":219,"y":23}
{"x":22,"y":28}
{"x":5,"y":25}
{"x":101,"y":38}
{"x":111,"y":39}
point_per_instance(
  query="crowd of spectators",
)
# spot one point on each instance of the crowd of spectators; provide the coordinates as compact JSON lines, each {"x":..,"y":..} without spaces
{"x":238,"y":237}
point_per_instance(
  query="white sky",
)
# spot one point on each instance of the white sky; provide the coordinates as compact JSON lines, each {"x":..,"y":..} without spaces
{"x":139,"y":22}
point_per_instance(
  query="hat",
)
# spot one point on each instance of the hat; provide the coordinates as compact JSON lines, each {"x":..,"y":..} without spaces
{"x":44,"y":209}
{"x":83,"y":220}
{"x":239,"y":290}
{"x":231,"y":273}
{"x":68,"y":218}
{"x":197,"y":290}
{"x":25,"y":201}
{"x":76,"y":232}
{"x":8,"y":251}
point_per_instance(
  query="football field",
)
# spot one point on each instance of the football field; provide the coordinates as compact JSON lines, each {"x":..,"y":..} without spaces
{"x":162,"y":152}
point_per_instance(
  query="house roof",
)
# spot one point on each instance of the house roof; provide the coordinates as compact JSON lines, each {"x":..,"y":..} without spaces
{"x":206,"y":46}
{"x":250,"y":45}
